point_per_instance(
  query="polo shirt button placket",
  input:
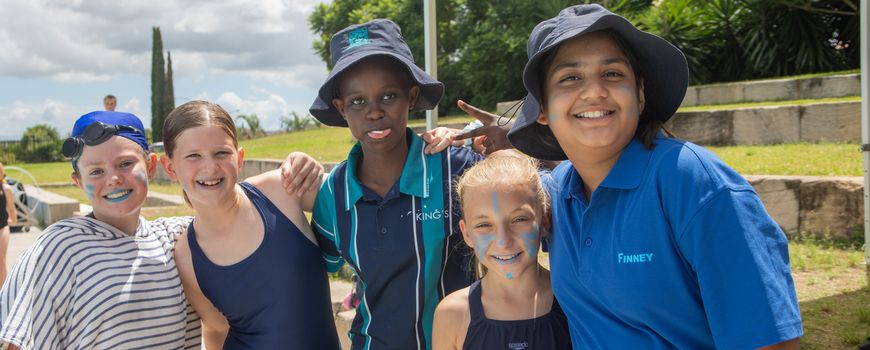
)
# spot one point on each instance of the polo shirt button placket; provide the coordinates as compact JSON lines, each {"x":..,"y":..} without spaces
{"x":588,"y":242}
{"x":380,"y":221}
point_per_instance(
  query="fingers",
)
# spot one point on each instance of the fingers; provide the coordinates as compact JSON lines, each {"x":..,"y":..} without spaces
{"x":481,"y":131}
{"x":287,"y":175}
{"x":485,"y":117}
{"x":312,"y":180}
{"x":302,"y":177}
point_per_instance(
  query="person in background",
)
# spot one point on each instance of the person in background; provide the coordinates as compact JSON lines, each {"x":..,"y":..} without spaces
{"x":110,"y":102}
{"x":8,"y":217}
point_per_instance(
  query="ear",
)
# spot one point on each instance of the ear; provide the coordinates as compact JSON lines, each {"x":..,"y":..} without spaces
{"x":413,"y":94}
{"x":166,"y":163}
{"x":641,"y":98}
{"x":151,"y":161}
{"x":241,"y":160}
{"x":542,"y":119}
{"x":339,"y":105}
{"x":465,"y":236}
{"x":76,"y":180}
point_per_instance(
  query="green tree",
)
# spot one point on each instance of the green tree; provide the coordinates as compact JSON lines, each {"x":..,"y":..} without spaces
{"x":168,"y":103}
{"x":250,"y":128}
{"x":158,"y":84}
{"x":39,"y":143}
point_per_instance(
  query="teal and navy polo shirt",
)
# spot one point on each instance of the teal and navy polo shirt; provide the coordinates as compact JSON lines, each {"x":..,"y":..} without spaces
{"x":674,"y":250}
{"x":406,"y":247}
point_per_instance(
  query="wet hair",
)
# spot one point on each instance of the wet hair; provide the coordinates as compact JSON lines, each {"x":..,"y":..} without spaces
{"x":509,"y":168}
{"x":194,"y":114}
{"x":647,"y":125}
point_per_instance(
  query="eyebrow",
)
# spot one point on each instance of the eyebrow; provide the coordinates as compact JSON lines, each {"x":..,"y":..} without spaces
{"x":575,"y":64}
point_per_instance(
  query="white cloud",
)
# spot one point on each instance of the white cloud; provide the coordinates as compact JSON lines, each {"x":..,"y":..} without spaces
{"x":83,"y":41}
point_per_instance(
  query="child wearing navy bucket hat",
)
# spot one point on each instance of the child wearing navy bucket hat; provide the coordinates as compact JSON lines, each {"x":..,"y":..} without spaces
{"x":107,"y":280}
{"x":656,"y":243}
{"x":388,"y":209}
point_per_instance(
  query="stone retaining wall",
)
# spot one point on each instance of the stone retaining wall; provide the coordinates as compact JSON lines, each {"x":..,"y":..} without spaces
{"x":774,"y":90}
{"x":818,"y":122}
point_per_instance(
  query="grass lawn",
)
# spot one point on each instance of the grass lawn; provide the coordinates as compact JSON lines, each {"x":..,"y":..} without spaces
{"x":824,"y":159}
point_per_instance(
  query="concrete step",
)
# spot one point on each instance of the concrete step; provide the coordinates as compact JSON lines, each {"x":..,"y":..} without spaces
{"x":774,"y":90}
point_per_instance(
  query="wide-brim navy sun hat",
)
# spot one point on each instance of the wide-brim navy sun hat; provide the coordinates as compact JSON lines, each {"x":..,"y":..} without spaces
{"x":663,"y":66}
{"x":380,"y":37}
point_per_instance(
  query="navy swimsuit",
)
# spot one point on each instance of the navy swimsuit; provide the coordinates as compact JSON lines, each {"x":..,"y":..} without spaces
{"x":276,"y":298}
{"x":549,"y":331}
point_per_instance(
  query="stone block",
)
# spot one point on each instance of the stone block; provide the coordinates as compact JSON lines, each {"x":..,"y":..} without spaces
{"x":781,"y":198}
{"x":691,"y":98}
{"x":831,"y":205}
{"x":770,"y":90}
{"x":720,"y":93}
{"x":766,"y":125}
{"x":705,"y":127}
{"x":156,"y":199}
{"x":826,"y":122}
{"x":51,"y":206}
{"x":343,"y":321}
{"x":830,"y":86}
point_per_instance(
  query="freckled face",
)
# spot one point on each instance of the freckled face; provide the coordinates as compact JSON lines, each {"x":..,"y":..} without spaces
{"x":206,"y":163}
{"x":114,"y":176}
{"x":375,"y":98}
{"x":592,"y":99}
{"x":501,"y":223}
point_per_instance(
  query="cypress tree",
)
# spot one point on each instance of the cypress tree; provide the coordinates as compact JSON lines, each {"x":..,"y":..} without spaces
{"x":168,"y":91}
{"x":157,"y":85}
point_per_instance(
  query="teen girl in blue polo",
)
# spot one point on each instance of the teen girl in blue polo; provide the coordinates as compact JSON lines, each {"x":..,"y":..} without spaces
{"x":388,"y":209}
{"x":656,"y":243}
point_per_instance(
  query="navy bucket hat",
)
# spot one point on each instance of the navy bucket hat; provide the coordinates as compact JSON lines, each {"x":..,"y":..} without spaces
{"x":380,"y":37}
{"x":663,"y":66}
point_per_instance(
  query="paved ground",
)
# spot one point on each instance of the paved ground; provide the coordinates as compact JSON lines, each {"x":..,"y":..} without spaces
{"x":19,"y":242}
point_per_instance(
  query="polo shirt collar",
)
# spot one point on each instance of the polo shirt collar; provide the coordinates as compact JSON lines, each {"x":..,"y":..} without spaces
{"x":414,"y":180}
{"x":626,"y":174}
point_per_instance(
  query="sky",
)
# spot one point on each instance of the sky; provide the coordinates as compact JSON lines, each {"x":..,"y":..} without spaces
{"x":58,"y":58}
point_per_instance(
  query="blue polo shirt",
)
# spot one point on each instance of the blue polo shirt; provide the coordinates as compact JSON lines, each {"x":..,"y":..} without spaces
{"x":673,"y":250}
{"x":406,"y":247}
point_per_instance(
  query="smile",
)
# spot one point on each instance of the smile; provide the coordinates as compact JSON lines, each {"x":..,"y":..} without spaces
{"x":210,"y":183}
{"x":594,"y":114}
{"x":506,"y":259}
{"x":379,"y":134}
{"x":118,"y":195}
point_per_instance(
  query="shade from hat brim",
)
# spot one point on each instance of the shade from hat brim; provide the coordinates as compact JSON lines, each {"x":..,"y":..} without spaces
{"x":663,"y":66}
{"x":533,"y":138}
{"x":431,"y":90}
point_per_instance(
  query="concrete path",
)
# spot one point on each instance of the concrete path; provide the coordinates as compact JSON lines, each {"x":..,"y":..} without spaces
{"x":19,"y":242}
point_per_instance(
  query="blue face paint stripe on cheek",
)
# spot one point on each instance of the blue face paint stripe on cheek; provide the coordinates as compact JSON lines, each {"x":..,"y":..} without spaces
{"x":89,"y":191}
{"x":481,"y":243}
{"x":530,"y":239}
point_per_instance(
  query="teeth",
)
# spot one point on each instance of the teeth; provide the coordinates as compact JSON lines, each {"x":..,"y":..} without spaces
{"x":378,"y":131}
{"x":119,"y":194}
{"x":593,"y":114}
{"x":506,"y":257}
{"x":209,"y":182}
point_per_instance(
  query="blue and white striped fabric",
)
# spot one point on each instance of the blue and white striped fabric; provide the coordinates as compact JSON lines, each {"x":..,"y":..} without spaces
{"x":87,"y":285}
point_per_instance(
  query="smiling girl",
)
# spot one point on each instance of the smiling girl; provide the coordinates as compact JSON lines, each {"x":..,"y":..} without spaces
{"x":107,"y":280}
{"x":504,"y":219}
{"x":249,"y":262}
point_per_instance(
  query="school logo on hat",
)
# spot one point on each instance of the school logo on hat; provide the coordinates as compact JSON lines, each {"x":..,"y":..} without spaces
{"x":357,"y":37}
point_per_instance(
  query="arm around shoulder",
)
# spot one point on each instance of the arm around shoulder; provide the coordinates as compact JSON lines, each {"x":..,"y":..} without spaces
{"x":214,"y":325}
{"x":451,"y":321}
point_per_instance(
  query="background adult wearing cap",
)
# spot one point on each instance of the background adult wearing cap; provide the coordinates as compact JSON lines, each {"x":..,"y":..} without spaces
{"x":387,"y":209}
{"x":656,"y":243}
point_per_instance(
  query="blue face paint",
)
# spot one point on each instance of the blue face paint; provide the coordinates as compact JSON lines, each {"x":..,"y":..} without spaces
{"x":89,"y":191}
{"x":509,"y":276}
{"x":140,"y":175}
{"x":481,"y":243}
{"x":495,"y":206}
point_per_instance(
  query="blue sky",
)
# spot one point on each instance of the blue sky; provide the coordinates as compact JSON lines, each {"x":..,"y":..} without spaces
{"x":60,"y":57}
